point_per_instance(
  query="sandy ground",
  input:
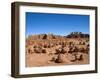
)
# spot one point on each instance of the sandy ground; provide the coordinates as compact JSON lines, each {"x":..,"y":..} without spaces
{"x":52,"y":58}
{"x":35,"y":60}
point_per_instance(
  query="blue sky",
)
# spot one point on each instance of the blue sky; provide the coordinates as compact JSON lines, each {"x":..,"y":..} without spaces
{"x":58,"y":24}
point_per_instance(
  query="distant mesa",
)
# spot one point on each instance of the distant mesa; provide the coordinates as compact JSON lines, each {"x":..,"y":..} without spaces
{"x":77,"y":35}
{"x":52,"y":36}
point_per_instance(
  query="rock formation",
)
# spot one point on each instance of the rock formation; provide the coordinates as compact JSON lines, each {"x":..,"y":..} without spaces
{"x":49,"y":49}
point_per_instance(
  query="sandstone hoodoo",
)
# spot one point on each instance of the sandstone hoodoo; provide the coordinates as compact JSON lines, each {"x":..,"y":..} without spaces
{"x":50,"y":49}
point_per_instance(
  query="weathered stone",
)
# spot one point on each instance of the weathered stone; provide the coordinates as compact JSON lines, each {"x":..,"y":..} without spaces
{"x":59,"y":59}
{"x":38,"y":50}
{"x":43,"y":50}
{"x":79,"y":56}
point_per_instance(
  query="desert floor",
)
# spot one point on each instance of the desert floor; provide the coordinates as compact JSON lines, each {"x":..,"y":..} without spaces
{"x":52,"y":52}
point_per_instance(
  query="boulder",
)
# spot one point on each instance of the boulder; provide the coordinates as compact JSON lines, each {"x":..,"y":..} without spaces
{"x":79,"y":56}
{"x":38,"y":50}
{"x":59,"y":59}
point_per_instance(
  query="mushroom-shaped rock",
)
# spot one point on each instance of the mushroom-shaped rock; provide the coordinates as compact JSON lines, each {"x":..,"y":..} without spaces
{"x":79,"y":56}
{"x":59,"y":59}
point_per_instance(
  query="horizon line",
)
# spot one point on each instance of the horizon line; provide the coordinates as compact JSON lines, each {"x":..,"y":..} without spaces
{"x":54,"y":34}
